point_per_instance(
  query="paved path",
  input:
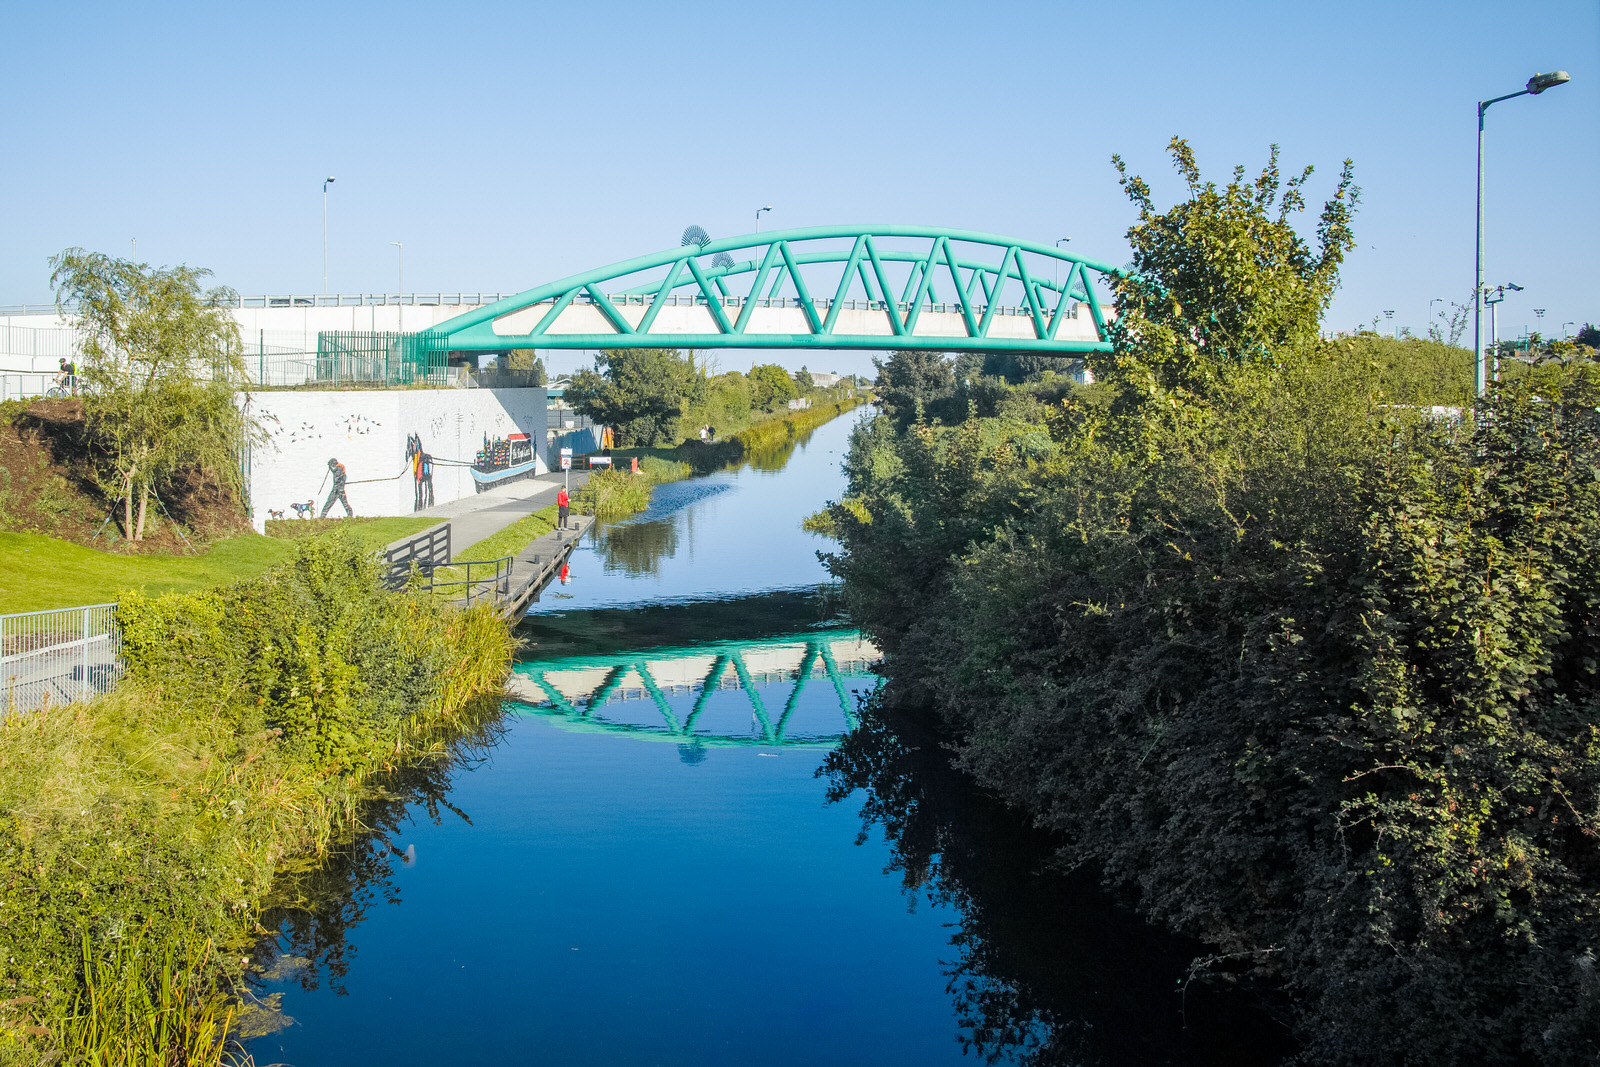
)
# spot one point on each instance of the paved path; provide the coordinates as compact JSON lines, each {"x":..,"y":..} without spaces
{"x":481,"y":515}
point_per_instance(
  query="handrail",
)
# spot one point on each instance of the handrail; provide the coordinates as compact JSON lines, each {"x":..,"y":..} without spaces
{"x":305,"y":300}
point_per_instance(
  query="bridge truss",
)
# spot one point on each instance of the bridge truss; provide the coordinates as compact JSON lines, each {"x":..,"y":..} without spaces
{"x":830,"y":287}
{"x":575,"y":691}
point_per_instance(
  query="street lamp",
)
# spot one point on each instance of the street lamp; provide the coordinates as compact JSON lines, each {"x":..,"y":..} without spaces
{"x":1390,"y":316}
{"x":1564,"y":326}
{"x":759,"y":210}
{"x":1536,"y":85}
{"x":325,"y":184}
{"x":402,"y":282}
{"x":1435,"y":300}
{"x":1059,"y":242}
{"x":1539,"y":314}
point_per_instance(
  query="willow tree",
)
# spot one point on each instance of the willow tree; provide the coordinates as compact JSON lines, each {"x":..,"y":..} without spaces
{"x":161,"y":364}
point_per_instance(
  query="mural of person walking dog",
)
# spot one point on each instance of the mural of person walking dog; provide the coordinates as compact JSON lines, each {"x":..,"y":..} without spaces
{"x":336,"y":469}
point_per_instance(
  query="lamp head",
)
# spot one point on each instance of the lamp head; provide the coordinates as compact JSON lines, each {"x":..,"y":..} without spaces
{"x":327,"y":181}
{"x":1514,"y":287}
{"x":1540,"y":82}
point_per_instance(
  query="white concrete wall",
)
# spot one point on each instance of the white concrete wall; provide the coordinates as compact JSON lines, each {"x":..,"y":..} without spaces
{"x":366,"y":430}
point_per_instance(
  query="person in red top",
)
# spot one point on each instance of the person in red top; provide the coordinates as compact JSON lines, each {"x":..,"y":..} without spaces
{"x":563,"y":502}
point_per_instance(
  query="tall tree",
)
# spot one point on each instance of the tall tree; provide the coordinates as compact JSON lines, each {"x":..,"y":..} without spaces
{"x":162,"y":364}
{"x":1222,"y":279}
{"x":911,"y":378}
{"x":639,"y":392}
{"x":772,"y":385}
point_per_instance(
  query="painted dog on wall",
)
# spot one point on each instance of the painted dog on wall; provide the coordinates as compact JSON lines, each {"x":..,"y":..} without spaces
{"x":304,"y":511}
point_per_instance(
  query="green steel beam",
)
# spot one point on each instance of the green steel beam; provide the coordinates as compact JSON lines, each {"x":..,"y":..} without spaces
{"x":889,"y":306}
{"x":707,"y":687}
{"x":749,"y":687}
{"x":851,"y":267}
{"x":802,"y":675}
{"x":662,"y":704}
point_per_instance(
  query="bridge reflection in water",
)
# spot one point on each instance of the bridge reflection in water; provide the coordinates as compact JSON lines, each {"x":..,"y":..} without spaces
{"x":701,"y":693}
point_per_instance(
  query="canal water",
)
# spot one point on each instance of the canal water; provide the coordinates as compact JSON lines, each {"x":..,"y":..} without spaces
{"x":684,"y":843}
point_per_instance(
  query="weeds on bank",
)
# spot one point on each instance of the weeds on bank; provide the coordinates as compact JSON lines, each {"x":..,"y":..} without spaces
{"x":141,"y":831}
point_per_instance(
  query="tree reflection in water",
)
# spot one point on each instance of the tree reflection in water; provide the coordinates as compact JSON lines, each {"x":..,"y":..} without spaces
{"x":637,"y":548}
{"x":314,"y":906}
{"x":1047,"y":969}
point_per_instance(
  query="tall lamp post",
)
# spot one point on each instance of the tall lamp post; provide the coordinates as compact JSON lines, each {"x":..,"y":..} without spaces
{"x":1390,"y":316}
{"x":1536,"y":85}
{"x":1564,"y":326}
{"x":1538,"y":313}
{"x":400,"y":293}
{"x":759,"y":210}
{"x":1059,"y":242}
{"x":327,"y":182}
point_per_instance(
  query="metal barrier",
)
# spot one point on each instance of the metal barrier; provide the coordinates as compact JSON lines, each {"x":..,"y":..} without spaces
{"x":22,"y":386}
{"x":495,"y":585}
{"x":424,"y":552}
{"x":307,"y":300}
{"x":58,"y":656}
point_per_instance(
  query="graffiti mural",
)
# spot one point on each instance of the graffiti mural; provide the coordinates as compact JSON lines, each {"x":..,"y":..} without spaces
{"x":504,"y":459}
{"x":420,"y":465}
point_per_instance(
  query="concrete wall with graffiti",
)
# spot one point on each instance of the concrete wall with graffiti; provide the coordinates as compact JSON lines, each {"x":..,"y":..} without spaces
{"x":391,"y":451}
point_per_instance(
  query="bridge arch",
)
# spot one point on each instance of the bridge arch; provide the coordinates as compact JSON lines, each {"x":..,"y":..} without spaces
{"x":827,"y":287}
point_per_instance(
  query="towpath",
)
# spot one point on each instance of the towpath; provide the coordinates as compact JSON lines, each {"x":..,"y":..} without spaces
{"x":473,"y":518}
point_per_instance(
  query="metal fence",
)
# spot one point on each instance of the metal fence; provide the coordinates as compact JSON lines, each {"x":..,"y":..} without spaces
{"x":15,"y":386}
{"x":308,"y":300}
{"x":425,"y":552}
{"x":59,"y":656}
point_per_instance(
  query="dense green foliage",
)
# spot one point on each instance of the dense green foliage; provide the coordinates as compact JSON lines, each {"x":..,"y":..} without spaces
{"x":1313,"y":674}
{"x":655,"y":396}
{"x":142,"y":829}
{"x":639,"y":392}
{"x":162,"y":361}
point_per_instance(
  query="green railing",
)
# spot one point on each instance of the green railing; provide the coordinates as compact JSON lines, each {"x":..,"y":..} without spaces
{"x":348,"y":357}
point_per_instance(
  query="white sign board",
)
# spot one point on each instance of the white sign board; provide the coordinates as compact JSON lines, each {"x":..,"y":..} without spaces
{"x":566,"y":459}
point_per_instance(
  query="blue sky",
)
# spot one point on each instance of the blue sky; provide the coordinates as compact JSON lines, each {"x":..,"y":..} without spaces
{"x":510,"y":144}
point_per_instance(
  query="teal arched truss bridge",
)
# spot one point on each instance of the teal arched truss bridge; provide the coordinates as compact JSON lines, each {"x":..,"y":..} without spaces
{"x":664,"y":694}
{"x":844,"y":287}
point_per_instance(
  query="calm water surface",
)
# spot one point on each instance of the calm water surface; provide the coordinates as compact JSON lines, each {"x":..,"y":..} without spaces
{"x":637,"y":867}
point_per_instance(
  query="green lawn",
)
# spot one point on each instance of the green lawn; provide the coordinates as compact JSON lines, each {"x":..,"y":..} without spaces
{"x":38,"y":572}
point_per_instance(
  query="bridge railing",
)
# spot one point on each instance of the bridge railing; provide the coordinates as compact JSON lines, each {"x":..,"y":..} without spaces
{"x":58,"y":656}
{"x":820,"y":303}
{"x":308,"y":300}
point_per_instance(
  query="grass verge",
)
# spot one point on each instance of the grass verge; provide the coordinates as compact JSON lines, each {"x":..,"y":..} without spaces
{"x":38,"y":572}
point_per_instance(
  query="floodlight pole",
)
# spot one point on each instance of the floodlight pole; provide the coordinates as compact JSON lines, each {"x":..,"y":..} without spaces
{"x":1536,"y":85}
{"x":400,"y":295}
{"x":325,"y":185}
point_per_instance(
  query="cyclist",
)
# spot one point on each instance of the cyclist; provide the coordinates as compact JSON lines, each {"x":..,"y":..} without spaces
{"x":67,"y":378}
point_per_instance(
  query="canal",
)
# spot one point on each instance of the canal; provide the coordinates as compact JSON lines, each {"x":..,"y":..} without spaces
{"x":679,"y":844}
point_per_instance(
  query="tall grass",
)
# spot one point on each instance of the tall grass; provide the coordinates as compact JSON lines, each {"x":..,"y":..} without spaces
{"x":142,"y":830}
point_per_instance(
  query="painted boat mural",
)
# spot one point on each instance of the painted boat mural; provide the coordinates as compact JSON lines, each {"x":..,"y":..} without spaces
{"x":504,"y":459}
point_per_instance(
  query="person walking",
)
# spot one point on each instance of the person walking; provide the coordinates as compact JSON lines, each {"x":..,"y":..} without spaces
{"x":337,"y":492}
{"x":563,"y":504}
